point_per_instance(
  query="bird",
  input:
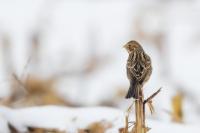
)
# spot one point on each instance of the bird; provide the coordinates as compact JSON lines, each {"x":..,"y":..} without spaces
{"x":138,"y":67}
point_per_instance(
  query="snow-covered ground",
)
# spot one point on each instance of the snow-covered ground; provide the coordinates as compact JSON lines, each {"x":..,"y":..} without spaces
{"x":72,"y":119}
{"x":71,"y":33}
{"x":62,"y":118}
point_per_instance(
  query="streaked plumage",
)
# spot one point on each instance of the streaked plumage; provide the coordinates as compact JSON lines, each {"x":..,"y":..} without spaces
{"x":138,"y":67}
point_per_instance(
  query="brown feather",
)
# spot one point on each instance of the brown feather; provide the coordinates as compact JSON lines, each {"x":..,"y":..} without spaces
{"x":138,"y":66}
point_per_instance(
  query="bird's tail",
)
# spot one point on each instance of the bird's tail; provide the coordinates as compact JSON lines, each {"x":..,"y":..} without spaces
{"x":133,"y":90}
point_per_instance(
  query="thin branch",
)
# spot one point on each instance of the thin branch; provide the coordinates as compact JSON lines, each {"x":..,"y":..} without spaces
{"x":152,"y":96}
{"x":26,"y":66}
{"x":20,"y":82}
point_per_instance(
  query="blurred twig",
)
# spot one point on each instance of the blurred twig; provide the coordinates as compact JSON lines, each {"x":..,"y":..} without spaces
{"x":152,"y":96}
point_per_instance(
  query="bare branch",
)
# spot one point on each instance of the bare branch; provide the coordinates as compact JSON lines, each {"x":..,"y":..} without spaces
{"x":152,"y":96}
{"x":23,"y":86}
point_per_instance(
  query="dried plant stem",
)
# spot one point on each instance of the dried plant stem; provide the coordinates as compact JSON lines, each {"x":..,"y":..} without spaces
{"x":139,"y":113}
{"x":126,"y":125}
{"x":140,"y":126}
{"x":139,"y":116}
{"x":152,"y":96}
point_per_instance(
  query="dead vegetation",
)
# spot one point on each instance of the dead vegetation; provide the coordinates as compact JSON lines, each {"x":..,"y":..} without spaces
{"x":96,"y":127}
{"x":33,"y":91}
{"x":35,"y":130}
{"x":177,"y":108}
{"x":139,"y":126}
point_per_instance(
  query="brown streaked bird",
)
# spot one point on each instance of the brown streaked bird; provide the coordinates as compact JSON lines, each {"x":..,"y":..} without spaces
{"x":138,"y":67}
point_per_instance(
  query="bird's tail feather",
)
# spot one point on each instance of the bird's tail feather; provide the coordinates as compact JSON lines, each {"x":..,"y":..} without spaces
{"x":133,"y":90}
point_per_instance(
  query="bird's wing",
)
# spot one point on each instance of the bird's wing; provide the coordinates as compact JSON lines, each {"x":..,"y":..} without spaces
{"x":138,"y":65}
{"x":146,"y":60}
{"x":134,"y":66}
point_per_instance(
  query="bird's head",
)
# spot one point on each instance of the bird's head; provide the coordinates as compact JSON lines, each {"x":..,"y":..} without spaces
{"x":131,"y":46}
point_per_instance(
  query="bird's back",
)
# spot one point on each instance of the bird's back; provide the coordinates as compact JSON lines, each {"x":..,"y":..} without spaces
{"x":139,"y":66}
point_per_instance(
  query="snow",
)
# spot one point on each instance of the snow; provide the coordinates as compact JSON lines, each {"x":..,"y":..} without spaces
{"x":167,"y":127}
{"x":3,"y":125}
{"x":71,"y":119}
{"x":63,"y":118}
{"x":68,"y":30}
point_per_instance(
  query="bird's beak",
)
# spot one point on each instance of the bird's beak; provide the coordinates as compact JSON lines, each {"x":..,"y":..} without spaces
{"x":124,"y":46}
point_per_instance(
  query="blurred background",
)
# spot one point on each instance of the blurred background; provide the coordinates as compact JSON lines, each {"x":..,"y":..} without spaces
{"x":65,"y":52}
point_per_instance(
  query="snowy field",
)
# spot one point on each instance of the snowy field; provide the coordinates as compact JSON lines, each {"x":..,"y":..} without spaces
{"x":75,"y":49}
